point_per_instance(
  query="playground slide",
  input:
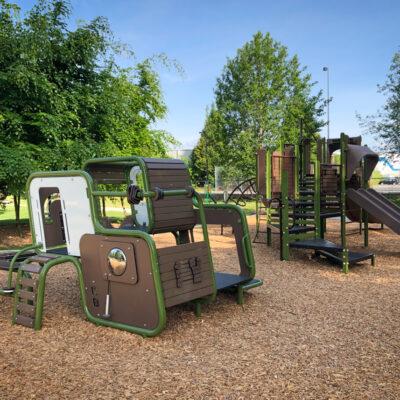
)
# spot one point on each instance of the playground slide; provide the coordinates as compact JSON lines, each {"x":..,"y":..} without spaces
{"x":378,"y":206}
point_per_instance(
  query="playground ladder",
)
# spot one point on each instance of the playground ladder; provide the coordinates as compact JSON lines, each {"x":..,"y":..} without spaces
{"x":262,"y":217}
{"x":27,"y":310}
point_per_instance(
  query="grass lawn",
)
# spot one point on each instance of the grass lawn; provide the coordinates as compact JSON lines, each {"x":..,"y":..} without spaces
{"x":9,"y":213}
{"x":114,"y":209}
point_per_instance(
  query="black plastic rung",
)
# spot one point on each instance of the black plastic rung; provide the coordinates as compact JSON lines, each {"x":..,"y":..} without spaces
{"x":316,"y":244}
{"x":300,"y":229}
{"x":353,"y":257}
{"x":302,"y":215}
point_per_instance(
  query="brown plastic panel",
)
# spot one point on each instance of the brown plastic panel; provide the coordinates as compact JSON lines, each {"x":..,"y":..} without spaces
{"x":187,"y":289}
{"x":171,"y":213}
{"x":286,"y":161}
{"x":130,"y":275}
{"x":355,"y":154}
{"x":134,"y":305}
{"x":229,"y":217}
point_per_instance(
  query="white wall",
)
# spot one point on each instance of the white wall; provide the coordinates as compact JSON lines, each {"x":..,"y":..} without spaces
{"x":75,"y":208}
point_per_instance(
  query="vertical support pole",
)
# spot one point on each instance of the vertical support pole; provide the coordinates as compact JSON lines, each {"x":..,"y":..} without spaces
{"x":322,"y":227}
{"x":257,"y":218}
{"x":240,"y":295}
{"x":366,"y":229}
{"x":324,"y":152}
{"x":297,"y":168}
{"x":343,"y":164}
{"x":365,"y":214}
{"x":301,"y":153}
{"x":317,"y":199}
{"x":268,"y":177}
{"x":197,"y":308}
{"x":284,"y":214}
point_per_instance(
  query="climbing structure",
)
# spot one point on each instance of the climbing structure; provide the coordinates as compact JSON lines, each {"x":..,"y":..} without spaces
{"x":125,"y":280}
{"x":297,"y":193}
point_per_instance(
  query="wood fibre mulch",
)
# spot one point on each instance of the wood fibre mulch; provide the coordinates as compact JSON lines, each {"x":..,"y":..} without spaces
{"x":310,"y":332}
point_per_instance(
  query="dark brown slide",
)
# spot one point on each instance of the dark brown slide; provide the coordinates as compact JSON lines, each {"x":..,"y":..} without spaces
{"x":378,"y":206}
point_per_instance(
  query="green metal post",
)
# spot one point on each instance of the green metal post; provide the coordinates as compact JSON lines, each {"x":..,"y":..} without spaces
{"x":284,"y":212}
{"x":197,"y":308}
{"x":297,"y":168}
{"x":343,"y":164}
{"x":365,"y":214}
{"x":240,"y":295}
{"x":317,"y":199}
{"x":268,"y":175}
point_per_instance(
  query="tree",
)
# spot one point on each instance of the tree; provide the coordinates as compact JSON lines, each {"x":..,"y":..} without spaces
{"x":260,"y":98}
{"x":385,"y":125}
{"x":210,"y":145}
{"x":65,"y":98}
{"x":17,"y":164}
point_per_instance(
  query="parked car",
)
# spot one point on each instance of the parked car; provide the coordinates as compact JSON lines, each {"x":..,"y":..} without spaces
{"x":389,"y":181}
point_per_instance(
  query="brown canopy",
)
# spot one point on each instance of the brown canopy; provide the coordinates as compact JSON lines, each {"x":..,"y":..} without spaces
{"x":355,"y":154}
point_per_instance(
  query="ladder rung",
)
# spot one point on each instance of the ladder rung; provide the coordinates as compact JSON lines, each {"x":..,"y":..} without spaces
{"x":49,"y":256}
{"x":24,"y":294}
{"x":26,"y":309}
{"x":39,"y":259}
{"x":26,"y":282}
{"x":32,"y":268}
{"x":23,"y":320}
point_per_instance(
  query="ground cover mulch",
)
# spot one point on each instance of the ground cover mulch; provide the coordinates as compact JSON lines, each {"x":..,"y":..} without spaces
{"x":310,"y":332}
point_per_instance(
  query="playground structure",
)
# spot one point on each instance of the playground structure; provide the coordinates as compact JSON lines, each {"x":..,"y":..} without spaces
{"x":125,"y":281}
{"x":299,"y":188}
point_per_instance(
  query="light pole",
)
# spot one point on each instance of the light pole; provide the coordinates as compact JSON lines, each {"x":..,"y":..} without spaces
{"x":326,"y":69}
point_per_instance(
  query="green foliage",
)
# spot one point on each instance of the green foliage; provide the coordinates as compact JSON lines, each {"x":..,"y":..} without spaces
{"x":375,"y":178}
{"x":260,"y":98}
{"x":64,"y":98}
{"x":210,"y":146}
{"x":385,"y":125}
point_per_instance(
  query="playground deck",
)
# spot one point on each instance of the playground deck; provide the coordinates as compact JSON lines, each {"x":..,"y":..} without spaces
{"x":311,"y":332}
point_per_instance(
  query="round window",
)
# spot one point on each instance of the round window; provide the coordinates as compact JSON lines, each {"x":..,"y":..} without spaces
{"x":117,"y":261}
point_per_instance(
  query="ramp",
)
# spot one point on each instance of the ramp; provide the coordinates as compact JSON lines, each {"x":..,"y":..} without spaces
{"x":378,"y":206}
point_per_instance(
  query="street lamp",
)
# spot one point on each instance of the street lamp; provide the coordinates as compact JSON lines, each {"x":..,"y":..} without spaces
{"x":326,"y":69}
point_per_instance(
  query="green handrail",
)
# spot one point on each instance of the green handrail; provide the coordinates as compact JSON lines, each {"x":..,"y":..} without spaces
{"x":13,"y":261}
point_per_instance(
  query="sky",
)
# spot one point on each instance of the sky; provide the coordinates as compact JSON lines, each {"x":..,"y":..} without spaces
{"x":354,"y":39}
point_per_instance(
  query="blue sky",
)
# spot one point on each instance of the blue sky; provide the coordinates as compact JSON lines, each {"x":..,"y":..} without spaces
{"x":355,"y":39}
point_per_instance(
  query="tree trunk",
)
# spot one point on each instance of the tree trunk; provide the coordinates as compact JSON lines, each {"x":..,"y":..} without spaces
{"x":17,"y":208}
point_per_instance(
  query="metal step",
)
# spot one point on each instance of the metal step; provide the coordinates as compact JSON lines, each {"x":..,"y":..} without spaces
{"x":316,"y":244}
{"x":354,"y":257}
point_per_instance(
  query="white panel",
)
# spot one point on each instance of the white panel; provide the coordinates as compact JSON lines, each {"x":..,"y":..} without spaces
{"x":142,"y":215}
{"x":75,"y":207}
